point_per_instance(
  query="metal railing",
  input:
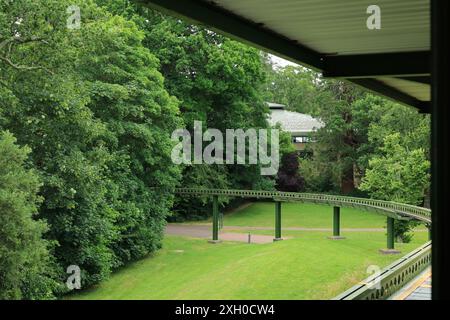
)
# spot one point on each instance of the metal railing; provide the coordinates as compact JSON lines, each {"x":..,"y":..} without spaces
{"x":391,"y":278}
{"x":398,"y":210}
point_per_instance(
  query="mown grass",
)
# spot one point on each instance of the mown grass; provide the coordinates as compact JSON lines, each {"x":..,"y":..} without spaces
{"x":306,"y":266}
{"x":308,"y":215}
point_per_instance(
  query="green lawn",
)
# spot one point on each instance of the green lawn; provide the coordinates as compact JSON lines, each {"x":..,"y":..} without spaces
{"x":295,"y":214}
{"x":306,"y":266}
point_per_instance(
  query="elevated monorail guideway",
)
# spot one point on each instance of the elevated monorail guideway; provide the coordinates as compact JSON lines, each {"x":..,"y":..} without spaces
{"x":379,"y":286}
{"x":391,"y":209}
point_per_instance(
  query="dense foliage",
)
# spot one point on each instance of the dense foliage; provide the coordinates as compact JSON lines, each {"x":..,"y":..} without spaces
{"x":92,"y":107}
{"x":288,"y":178}
{"x":25,"y":261}
{"x":368,"y":146}
{"x":218,"y":81}
{"x":293,"y":86}
{"x":86,"y":116}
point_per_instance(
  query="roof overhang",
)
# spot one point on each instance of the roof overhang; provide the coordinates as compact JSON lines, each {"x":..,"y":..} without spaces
{"x":331,"y":37}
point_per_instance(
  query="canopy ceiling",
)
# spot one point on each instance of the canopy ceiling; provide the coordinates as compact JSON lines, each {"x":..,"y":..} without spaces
{"x":331,"y":36}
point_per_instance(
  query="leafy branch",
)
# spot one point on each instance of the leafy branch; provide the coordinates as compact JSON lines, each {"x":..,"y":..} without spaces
{"x":8,"y":44}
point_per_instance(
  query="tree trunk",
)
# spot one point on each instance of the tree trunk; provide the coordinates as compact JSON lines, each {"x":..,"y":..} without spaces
{"x":348,"y":181}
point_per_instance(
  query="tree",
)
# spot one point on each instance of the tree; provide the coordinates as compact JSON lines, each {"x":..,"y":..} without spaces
{"x":399,"y":175}
{"x":414,"y":129}
{"x":319,"y":176}
{"x":288,"y":176}
{"x":294,"y":86}
{"x":127,"y":94}
{"x":92,"y":106}
{"x":47,"y":110}
{"x":26,"y":266}
{"x":344,"y":111}
{"x":217,"y":81}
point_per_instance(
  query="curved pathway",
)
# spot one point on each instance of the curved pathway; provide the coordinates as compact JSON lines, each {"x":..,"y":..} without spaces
{"x":204,"y":231}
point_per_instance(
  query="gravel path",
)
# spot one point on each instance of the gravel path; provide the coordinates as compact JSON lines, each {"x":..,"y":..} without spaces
{"x":204,"y":231}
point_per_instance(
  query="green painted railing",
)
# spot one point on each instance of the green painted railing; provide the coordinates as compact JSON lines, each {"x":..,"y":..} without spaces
{"x":392,"y":278}
{"x":389,"y":208}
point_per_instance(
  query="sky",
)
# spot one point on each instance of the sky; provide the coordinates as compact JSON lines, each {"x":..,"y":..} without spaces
{"x":280,"y":62}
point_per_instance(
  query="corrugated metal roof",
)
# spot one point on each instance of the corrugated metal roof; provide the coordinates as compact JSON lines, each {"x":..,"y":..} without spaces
{"x":339,"y":27}
{"x":419,"y":90}
{"x":331,"y":36}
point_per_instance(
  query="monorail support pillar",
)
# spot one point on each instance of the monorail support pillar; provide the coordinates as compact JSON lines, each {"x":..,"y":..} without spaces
{"x":277,"y":221}
{"x":336,"y":224}
{"x":390,"y":238}
{"x":215,"y":220}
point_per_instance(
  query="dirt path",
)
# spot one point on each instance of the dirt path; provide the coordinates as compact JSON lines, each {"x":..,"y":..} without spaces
{"x":227,"y":234}
{"x":204,"y":231}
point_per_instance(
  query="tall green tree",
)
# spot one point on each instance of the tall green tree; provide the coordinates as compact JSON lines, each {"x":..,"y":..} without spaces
{"x":389,"y":118}
{"x":26,"y":265}
{"x":217,"y":81}
{"x":294,"y":86}
{"x":344,"y":112}
{"x":47,"y":110}
{"x":398,"y":174}
{"x":93,"y":108}
{"x":127,"y":95}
